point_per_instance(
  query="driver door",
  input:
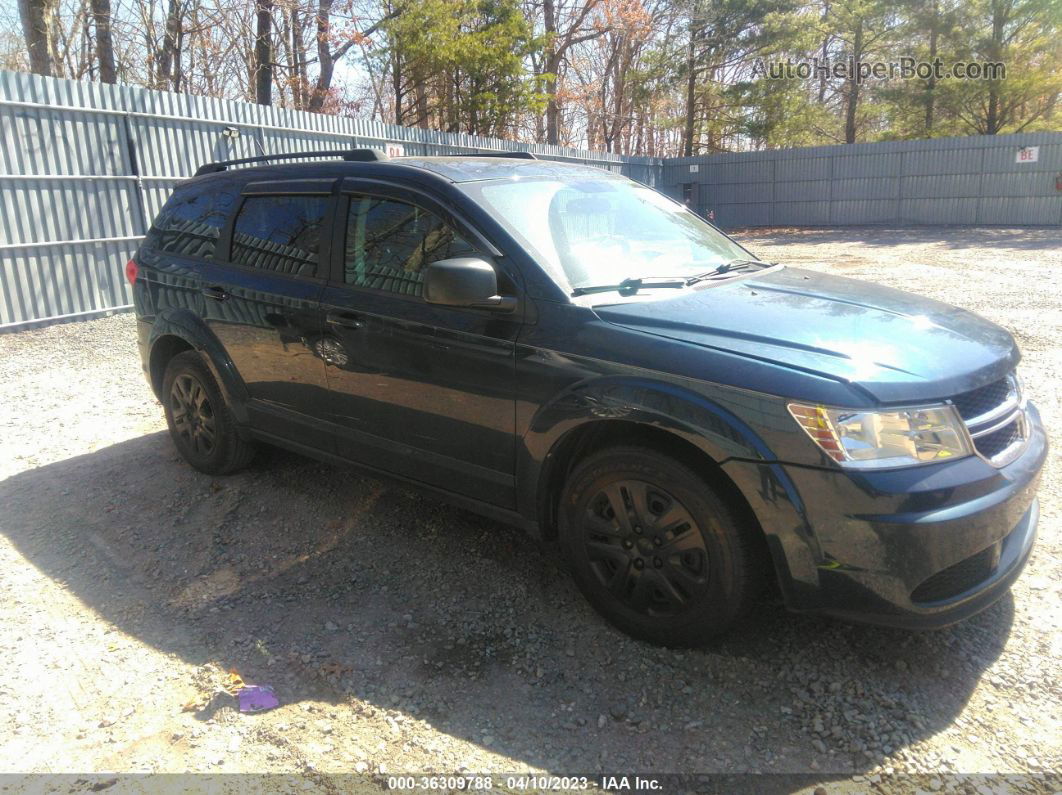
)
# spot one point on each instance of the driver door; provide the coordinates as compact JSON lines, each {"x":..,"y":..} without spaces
{"x":426,"y":392}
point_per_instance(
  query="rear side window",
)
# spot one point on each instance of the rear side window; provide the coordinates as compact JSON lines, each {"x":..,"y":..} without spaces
{"x":190,"y":222}
{"x":280,"y":233}
{"x":389,"y":242}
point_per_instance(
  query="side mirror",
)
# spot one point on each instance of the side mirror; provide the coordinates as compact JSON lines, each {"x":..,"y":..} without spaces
{"x":465,"y":281}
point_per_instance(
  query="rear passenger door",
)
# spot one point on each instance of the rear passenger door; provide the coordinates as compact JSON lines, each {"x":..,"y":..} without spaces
{"x":423,"y":391}
{"x":263,"y":302}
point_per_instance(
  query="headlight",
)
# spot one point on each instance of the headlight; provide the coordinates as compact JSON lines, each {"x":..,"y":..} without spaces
{"x":877,"y":439}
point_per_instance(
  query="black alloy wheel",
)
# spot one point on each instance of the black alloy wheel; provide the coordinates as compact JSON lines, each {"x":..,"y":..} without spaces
{"x":201,"y":425}
{"x":193,"y":416}
{"x":656,"y":547}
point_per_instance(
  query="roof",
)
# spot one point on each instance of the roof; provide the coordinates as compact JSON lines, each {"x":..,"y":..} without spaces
{"x":453,"y":168}
{"x":474,"y":169}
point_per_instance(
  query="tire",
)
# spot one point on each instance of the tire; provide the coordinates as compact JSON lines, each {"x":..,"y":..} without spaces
{"x":675,"y":568}
{"x":201,"y":425}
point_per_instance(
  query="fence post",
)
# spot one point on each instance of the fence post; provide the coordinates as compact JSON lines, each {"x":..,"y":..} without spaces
{"x":134,"y":167}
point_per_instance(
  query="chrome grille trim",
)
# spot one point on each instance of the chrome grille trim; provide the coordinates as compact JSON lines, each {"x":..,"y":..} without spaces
{"x":1006,"y":409}
{"x":984,"y":430}
{"x":987,"y":425}
{"x":1015,"y":448}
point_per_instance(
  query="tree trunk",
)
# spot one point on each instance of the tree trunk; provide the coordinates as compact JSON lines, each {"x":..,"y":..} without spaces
{"x":691,"y":94}
{"x":325,"y":62}
{"x":263,"y":53}
{"x":825,"y":54}
{"x":993,"y":122}
{"x":178,"y":61}
{"x":396,"y":83}
{"x":164,"y":74}
{"x":551,"y":63}
{"x":35,"y":25}
{"x":420,"y":101}
{"x":302,"y":79}
{"x":992,"y":125}
{"x":931,"y":83}
{"x":86,"y":63}
{"x":852,"y":101}
{"x":101,"y":20}
{"x":552,"y":106}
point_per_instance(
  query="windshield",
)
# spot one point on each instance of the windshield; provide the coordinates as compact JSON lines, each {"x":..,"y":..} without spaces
{"x":602,"y":231}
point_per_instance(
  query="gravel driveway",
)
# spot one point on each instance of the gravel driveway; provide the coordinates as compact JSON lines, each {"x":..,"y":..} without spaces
{"x":403,"y":635}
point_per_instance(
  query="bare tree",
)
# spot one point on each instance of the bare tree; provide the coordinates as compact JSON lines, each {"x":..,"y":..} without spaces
{"x":168,"y":64}
{"x":566,"y":25}
{"x":38,"y":26}
{"x":327,"y":56}
{"x":101,"y":21}
{"x":263,"y":53}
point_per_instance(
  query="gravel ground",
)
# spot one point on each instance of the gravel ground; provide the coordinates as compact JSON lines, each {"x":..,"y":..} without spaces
{"x":406,"y":636}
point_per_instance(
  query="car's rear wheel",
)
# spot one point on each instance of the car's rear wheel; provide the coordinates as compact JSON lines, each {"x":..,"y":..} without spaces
{"x":654,"y":548}
{"x":200,"y":423}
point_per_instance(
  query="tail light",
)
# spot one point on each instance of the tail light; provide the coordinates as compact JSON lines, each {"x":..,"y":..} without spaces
{"x":131,"y":271}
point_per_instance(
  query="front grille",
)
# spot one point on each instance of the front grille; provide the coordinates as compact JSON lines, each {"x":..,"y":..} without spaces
{"x":995,"y":417}
{"x":992,"y":444}
{"x":982,"y":400}
{"x":964,"y":575}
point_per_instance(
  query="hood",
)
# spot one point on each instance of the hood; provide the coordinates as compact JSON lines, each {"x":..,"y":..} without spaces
{"x":896,"y":346}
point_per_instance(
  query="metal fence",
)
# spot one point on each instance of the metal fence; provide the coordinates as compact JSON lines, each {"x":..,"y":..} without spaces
{"x":971,"y":180}
{"x":84,"y":168}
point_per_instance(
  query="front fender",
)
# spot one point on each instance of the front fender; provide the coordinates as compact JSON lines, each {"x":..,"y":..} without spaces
{"x":707,"y":424}
{"x":186,"y":325}
{"x":715,"y":430}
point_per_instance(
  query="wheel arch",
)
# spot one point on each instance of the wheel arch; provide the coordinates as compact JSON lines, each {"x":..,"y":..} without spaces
{"x":687,"y":425}
{"x":163,"y":349}
{"x":178,"y":330}
{"x":620,"y":409}
{"x":589,"y":437}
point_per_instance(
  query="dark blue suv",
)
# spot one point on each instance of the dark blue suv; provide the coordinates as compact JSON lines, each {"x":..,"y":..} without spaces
{"x":570,"y":351}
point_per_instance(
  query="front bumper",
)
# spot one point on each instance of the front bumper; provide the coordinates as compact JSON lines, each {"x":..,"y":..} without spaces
{"x":921,"y":547}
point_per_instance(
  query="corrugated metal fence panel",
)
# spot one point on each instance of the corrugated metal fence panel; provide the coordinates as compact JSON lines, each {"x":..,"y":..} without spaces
{"x":44,"y":282}
{"x":42,"y":209}
{"x":85,"y":166}
{"x":971,"y":180}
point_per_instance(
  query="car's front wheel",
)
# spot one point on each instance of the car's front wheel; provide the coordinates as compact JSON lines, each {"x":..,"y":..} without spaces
{"x":654,"y":548}
{"x":201,"y":425}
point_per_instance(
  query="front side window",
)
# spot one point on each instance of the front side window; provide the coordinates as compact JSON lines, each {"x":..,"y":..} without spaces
{"x":190,"y":223}
{"x":280,"y":233}
{"x":604,"y":230}
{"x":389,"y":242}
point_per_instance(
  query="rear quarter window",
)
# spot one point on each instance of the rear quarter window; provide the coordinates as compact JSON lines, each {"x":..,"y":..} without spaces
{"x":190,"y":222}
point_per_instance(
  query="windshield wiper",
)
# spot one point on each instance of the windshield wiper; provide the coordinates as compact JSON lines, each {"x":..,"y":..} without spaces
{"x":724,"y":268}
{"x":631,"y":286}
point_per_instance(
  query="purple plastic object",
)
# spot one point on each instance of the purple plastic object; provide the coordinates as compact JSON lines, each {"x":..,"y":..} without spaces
{"x":257,"y":698}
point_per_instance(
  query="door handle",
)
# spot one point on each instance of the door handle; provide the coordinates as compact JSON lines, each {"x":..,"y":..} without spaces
{"x":217,"y":293}
{"x":344,"y":319}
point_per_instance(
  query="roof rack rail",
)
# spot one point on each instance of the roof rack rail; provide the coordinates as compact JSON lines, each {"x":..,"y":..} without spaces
{"x":515,"y":155}
{"x":357,"y":155}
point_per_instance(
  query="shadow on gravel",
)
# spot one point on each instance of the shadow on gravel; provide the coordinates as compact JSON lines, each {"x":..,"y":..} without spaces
{"x":330,"y":586}
{"x":954,"y":237}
